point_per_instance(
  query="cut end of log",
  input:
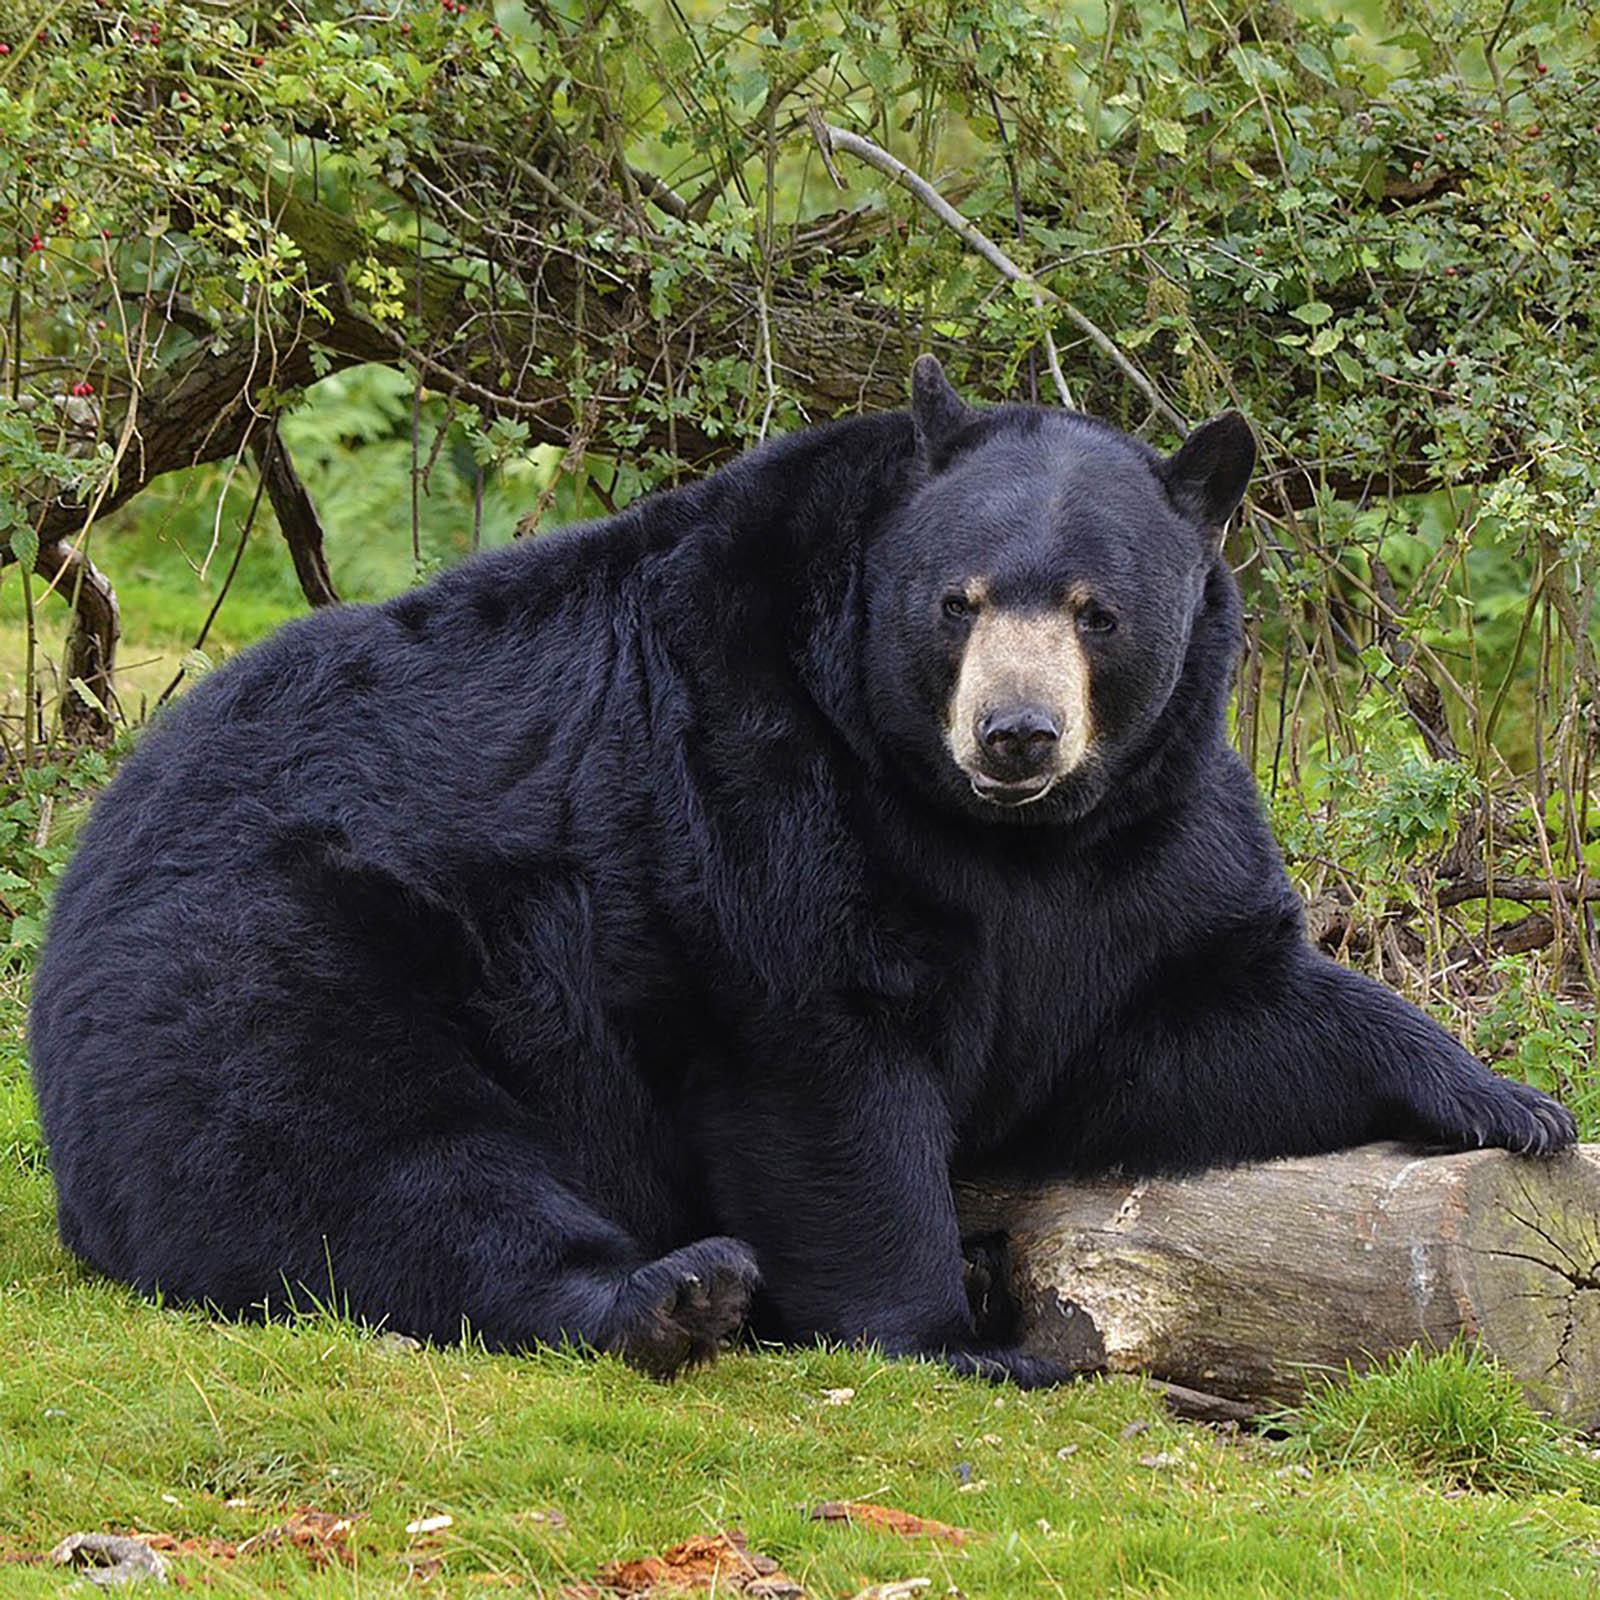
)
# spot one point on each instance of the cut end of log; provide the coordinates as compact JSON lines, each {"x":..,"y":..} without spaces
{"x":1253,"y":1282}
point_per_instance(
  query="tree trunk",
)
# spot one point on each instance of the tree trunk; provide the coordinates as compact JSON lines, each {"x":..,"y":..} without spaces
{"x":1249,"y":1282}
{"x":91,"y":652}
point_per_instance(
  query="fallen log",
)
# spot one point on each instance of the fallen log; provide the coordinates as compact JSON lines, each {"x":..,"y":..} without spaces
{"x":1249,"y":1283}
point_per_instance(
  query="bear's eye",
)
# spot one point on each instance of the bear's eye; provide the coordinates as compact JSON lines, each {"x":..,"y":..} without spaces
{"x":1096,"y":619}
{"x":957,"y":605}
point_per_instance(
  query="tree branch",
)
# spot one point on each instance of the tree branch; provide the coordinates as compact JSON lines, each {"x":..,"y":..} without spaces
{"x":1528,"y":891}
{"x":297,"y":518}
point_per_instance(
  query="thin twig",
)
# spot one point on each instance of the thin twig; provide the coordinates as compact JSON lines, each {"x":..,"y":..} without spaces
{"x":831,"y":138}
{"x":233,"y":567}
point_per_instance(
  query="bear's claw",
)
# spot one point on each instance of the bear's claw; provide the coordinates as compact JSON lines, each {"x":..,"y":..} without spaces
{"x":1508,"y":1116}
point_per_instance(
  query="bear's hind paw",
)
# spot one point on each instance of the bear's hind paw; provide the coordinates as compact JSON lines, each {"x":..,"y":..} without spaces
{"x":678,"y":1311}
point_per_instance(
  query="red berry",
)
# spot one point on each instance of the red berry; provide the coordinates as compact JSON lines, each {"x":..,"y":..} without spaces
{"x":36,"y":244}
{"x":1543,"y":69}
{"x":1258,"y":250}
{"x":258,"y":61}
{"x":111,"y":116}
{"x":1533,"y":132}
{"x":1545,"y":195}
{"x":405,"y":27}
{"x":5,"y":49}
{"x":227,"y":127}
{"x":41,"y":37}
{"x":1495,"y":125}
{"x":1438,"y":138}
{"x":1449,"y":272}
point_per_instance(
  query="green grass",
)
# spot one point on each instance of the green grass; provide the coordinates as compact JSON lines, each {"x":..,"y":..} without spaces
{"x":1432,"y":1479}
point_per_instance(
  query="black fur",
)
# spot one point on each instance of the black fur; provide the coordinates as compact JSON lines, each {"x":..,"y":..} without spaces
{"x":546,"y":949}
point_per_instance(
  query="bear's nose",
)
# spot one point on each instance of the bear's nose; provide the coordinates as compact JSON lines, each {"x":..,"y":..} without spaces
{"x":1019,"y":741}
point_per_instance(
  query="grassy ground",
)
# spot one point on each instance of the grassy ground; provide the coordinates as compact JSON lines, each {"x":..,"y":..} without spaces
{"x":117,"y":1415}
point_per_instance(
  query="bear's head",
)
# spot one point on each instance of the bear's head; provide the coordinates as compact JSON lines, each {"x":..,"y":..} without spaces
{"x":1032,"y":602}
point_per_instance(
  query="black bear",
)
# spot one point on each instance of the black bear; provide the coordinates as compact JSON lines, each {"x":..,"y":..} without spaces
{"x":651,"y":918}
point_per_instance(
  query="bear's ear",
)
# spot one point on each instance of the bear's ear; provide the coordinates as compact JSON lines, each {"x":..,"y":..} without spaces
{"x":936,"y":409}
{"x":1206,"y":479}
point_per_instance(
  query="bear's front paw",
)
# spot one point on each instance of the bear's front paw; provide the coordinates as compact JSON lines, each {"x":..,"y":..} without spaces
{"x":678,"y":1311}
{"x":1495,"y":1112}
{"x":1009,"y":1366}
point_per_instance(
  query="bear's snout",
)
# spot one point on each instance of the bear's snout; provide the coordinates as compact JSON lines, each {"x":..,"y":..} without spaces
{"x":1018,"y":742}
{"x":1019,"y":714}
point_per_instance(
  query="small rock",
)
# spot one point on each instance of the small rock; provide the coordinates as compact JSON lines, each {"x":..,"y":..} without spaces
{"x":430,"y":1524}
{"x":838,"y":1397}
{"x":1162,"y":1461}
{"x":1065,"y":1451}
{"x":108,"y":1559}
{"x":548,"y":1517}
{"x":1134,"y":1429}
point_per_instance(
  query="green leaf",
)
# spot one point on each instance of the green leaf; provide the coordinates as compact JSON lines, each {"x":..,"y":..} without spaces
{"x":88,"y":696}
{"x":1350,"y":369}
{"x":1171,"y":138}
{"x":25,"y":545}
{"x":1326,"y":341}
{"x":1313,"y":313}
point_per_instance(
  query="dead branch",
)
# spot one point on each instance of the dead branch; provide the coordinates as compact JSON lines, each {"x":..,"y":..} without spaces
{"x":1527,"y":890}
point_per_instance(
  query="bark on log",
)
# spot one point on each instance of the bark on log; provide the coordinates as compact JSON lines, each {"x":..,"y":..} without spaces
{"x":1251,"y":1282}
